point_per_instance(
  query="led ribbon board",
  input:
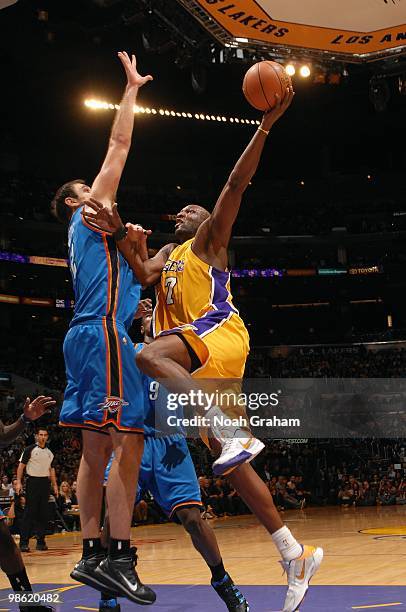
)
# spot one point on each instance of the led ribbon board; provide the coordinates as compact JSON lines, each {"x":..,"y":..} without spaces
{"x":357,"y":31}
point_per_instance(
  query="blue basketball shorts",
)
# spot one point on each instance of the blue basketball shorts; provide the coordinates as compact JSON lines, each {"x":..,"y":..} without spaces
{"x":167,"y":471}
{"x":104,"y":386}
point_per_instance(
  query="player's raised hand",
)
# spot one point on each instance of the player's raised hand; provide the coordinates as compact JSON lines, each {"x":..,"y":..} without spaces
{"x":130,"y":67}
{"x":144,"y":309}
{"x":278,"y":110}
{"x":34,"y":409}
{"x":106,"y":218}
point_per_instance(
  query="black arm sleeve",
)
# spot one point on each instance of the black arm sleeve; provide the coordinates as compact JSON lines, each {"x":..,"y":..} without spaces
{"x":25,"y":457}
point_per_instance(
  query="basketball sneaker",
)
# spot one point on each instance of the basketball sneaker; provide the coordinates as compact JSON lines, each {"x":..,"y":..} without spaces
{"x":119,"y":575}
{"x":237,"y":446}
{"x":84,"y":571}
{"x":231,"y":595}
{"x":299,"y":572}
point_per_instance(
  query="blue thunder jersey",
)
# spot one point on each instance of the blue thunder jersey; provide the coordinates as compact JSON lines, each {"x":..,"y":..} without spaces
{"x":104,"y":284}
{"x":156,"y":411}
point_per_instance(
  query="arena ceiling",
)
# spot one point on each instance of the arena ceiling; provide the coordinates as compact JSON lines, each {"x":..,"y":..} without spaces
{"x":360,"y":31}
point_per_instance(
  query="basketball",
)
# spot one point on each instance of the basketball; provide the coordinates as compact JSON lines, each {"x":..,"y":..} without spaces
{"x":262,"y":82}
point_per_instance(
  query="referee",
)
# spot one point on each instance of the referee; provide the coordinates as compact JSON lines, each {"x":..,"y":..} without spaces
{"x":37,"y":460}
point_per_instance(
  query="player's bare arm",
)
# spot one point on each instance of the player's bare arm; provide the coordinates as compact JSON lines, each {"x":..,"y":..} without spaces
{"x":131,"y":241}
{"x":32,"y":411}
{"x":213,"y":236}
{"x":106,"y":183}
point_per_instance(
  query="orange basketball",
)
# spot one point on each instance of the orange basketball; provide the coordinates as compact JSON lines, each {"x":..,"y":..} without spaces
{"x":262,"y":81}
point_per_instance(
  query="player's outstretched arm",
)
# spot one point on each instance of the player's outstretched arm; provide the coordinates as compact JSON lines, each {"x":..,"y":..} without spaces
{"x":216,"y":231}
{"x":147,"y":270}
{"x":32,"y":411}
{"x":106,"y":182}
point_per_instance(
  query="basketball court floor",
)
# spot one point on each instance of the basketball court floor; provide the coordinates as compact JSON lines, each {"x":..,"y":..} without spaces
{"x":364,"y":566}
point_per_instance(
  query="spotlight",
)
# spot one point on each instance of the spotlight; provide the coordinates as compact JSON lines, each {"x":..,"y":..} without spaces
{"x":305,"y":71}
{"x":290,"y":70}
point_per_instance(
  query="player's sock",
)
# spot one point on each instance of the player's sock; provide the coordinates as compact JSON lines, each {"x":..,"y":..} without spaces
{"x":107,"y":600}
{"x":117,"y":548}
{"x":217,"y":572}
{"x":91,"y":546}
{"x":288,"y":547}
{"x":20,"y":581}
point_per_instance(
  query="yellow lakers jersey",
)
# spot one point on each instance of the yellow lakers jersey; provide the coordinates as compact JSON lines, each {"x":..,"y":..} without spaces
{"x":193,"y":292}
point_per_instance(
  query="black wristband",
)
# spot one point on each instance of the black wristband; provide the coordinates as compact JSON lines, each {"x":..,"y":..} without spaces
{"x":120,"y":234}
{"x":25,"y":419}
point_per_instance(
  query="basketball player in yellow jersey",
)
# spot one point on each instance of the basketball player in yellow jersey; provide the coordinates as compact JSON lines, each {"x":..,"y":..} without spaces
{"x":199,"y":331}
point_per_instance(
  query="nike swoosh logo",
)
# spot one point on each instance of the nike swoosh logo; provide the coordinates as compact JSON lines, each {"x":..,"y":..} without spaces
{"x":131,"y":587}
{"x":247,"y":444}
{"x":302,"y":573}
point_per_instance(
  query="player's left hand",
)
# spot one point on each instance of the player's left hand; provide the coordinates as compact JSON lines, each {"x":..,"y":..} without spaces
{"x":103,"y":216}
{"x":144,"y":309}
{"x":34,"y":409}
{"x":275,"y":113}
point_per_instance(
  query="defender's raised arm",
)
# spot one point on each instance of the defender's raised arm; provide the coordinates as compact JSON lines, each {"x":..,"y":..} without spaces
{"x":105,"y":185}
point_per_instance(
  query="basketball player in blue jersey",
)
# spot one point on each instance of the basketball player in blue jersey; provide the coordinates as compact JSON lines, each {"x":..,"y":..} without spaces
{"x":167,"y":471}
{"x":103,"y":395}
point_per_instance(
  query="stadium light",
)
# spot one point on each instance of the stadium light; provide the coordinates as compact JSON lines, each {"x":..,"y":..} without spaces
{"x":290,"y":69}
{"x":305,"y":71}
{"x":166,"y":113}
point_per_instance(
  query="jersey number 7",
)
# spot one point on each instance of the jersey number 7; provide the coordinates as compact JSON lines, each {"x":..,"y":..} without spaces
{"x":170,"y":283}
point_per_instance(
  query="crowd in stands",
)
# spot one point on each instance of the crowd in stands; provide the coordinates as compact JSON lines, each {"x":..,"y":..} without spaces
{"x":312,"y":207}
{"x":327,"y":362}
{"x":298,"y":474}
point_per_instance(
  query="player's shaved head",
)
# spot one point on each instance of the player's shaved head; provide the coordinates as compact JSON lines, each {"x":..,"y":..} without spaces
{"x":188,"y":221}
{"x":204,"y":214}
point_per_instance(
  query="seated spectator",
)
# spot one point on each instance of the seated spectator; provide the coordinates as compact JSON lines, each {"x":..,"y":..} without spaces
{"x":206,"y":499}
{"x":367,"y":496}
{"x":346,"y":495}
{"x":15,"y":514}
{"x":66,"y":502}
{"x":148,"y":511}
{"x":140,"y":515}
{"x":302,"y":494}
{"x":6,"y":485}
{"x":401,"y":493}
{"x":386,"y":494}
{"x":284,"y":498}
{"x":216,"y":497}
{"x":235,"y":503}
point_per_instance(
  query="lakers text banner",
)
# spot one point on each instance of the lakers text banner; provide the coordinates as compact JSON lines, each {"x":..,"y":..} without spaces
{"x":288,"y":408}
{"x":362,"y":27}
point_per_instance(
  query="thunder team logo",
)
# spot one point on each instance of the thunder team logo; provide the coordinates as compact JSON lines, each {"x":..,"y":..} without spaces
{"x":112,"y":404}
